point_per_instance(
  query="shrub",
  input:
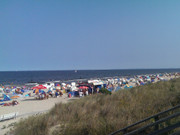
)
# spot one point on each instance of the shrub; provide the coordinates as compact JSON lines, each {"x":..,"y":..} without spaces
{"x":104,"y":91}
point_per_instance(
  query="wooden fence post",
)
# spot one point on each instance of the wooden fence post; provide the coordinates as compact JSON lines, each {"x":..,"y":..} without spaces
{"x":156,"y":126}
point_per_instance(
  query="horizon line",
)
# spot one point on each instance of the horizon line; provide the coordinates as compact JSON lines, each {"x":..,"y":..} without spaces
{"x":85,"y":69}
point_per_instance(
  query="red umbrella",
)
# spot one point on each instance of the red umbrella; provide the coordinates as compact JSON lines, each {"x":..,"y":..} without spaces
{"x":39,"y":87}
{"x":83,"y":87}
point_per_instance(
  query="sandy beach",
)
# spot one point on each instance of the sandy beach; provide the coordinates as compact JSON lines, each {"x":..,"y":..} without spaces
{"x":27,"y":107}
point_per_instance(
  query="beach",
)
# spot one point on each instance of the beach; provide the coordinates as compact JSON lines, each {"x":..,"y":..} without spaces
{"x":29,"y":106}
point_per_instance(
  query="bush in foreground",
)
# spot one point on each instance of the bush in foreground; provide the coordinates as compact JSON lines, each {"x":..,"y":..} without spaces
{"x":102,"y":114}
{"x":104,"y":91}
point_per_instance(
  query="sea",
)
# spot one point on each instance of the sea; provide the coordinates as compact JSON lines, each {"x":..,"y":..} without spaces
{"x":22,"y":77}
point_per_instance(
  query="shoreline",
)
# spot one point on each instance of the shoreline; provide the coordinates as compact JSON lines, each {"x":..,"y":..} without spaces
{"x":20,"y":78}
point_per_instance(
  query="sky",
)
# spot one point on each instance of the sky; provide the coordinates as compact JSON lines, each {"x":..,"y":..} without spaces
{"x":89,"y":34}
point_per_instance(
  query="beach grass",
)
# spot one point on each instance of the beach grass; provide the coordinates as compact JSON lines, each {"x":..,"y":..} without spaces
{"x":101,"y":114}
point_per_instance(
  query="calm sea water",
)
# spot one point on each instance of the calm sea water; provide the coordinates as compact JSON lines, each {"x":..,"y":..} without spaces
{"x":21,"y":77}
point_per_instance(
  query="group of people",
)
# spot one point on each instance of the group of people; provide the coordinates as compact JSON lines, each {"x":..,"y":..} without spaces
{"x":51,"y":93}
{"x":55,"y":93}
{"x":14,"y":102}
{"x":41,"y":95}
{"x":83,"y":92}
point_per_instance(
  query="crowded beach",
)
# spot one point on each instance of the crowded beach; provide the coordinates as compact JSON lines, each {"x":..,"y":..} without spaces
{"x":34,"y":98}
{"x":39,"y":97}
{"x":14,"y":95}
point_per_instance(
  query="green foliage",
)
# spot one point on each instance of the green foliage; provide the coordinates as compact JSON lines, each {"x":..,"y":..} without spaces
{"x":172,"y":88}
{"x":101,"y":114}
{"x":104,"y":91}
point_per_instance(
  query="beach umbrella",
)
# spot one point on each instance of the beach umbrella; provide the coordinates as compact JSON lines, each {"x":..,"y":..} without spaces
{"x":37,"y":91}
{"x":83,"y":87}
{"x":39,"y":87}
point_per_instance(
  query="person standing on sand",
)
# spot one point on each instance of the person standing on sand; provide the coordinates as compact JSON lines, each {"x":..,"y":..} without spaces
{"x":97,"y":90}
{"x":92,"y":90}
{"x":86,"y":92}
{"x":80,"y":93}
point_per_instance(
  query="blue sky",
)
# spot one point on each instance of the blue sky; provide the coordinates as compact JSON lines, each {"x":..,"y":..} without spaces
{"x":89,"y":34}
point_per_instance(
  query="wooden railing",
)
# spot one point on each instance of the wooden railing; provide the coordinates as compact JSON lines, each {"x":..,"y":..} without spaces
{"x":160,"y":123}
